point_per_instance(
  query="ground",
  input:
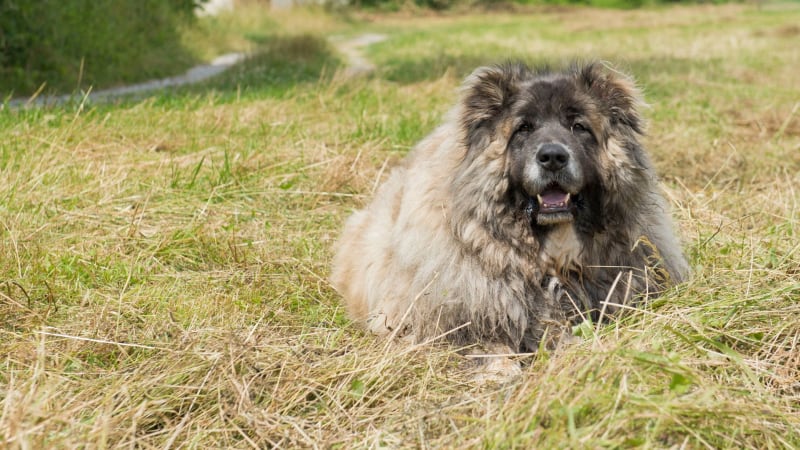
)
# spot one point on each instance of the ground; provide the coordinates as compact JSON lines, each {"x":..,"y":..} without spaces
{"x":164,"y":261}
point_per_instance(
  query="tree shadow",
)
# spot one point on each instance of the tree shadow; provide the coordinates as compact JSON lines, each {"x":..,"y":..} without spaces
{"x":279,"y":63}
{"x":409,"y":71}
{"x":414,"y":70}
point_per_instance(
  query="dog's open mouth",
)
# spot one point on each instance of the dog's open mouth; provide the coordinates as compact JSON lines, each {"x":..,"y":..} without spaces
{"x":554,"y":206}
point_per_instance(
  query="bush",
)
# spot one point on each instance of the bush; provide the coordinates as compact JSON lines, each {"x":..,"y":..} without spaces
{"x":79,"y":43}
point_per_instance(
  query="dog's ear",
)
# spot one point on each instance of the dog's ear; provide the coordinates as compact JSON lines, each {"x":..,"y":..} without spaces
{"x":486,"y":96}
{"x":615,"y":92}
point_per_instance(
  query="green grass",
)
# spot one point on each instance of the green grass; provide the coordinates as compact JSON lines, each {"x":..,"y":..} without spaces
{"x":63,"y":47}
{"x":164,"y":261}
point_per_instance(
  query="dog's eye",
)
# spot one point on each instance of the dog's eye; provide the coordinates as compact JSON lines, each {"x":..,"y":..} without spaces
{"x":526,"y":127}
{"x":578,"y":127}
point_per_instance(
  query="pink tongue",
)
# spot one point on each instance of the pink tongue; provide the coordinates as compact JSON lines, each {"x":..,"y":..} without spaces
{"x":554,"y":197}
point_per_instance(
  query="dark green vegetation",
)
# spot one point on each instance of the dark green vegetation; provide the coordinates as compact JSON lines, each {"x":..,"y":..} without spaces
{"x":72,"y":45}
{"x":163,"y":261}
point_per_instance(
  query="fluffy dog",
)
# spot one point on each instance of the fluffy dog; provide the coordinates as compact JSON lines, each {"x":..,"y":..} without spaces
{"x":533,"y":205}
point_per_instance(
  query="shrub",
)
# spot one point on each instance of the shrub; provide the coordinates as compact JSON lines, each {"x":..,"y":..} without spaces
{"x":80,"y":43}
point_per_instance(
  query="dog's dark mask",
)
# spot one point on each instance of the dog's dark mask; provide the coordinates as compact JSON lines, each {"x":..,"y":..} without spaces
{"x":555,"y":124}
{"x":551,"y":152}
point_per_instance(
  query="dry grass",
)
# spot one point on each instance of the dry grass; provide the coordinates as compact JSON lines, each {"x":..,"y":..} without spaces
{"x":164,"y":262}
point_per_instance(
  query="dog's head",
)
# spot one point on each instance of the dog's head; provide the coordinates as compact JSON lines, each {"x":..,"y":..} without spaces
{"x":569,"y":137}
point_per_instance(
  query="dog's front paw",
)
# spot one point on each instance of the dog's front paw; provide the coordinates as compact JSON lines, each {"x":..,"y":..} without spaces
{"x":494,"y":364}
{"x":554,"y":288}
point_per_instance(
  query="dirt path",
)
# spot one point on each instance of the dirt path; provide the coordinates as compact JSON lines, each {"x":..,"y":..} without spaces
{"x":193,"y":75}
{"x":351,"y":49}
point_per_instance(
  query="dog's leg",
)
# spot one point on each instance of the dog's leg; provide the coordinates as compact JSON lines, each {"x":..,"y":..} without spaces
{"x":494,"y":363}
{"x":561,"y":335}
{"x":554,"y":319}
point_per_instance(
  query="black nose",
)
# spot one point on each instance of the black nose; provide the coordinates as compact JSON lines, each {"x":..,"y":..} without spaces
{"x":552,"y":157}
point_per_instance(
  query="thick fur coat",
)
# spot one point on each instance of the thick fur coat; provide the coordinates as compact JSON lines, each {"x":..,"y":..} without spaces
{"x":532,"y":206}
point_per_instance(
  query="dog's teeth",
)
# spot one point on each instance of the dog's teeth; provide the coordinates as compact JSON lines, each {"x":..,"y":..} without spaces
{"x":567,"y":200}
{"x":539,"y":197}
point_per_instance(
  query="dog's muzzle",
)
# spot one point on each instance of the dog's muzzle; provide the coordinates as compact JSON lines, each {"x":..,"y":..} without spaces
{"x":554,"y":173}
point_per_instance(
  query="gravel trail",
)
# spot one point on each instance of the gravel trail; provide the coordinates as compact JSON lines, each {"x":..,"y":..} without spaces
{"x":351,"y":49}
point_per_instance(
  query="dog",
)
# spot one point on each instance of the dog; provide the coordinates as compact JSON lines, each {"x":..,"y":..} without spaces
{"x":532,"y":207}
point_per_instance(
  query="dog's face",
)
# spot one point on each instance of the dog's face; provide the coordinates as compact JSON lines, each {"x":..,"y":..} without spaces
{"x":569,"y":137}
{"x":551,"y":149}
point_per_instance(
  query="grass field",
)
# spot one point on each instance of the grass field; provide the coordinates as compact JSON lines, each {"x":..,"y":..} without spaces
{"x":164,"y":262}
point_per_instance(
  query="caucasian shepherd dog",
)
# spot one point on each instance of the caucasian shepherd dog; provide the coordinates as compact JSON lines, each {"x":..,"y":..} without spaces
{"x":534,"y":205}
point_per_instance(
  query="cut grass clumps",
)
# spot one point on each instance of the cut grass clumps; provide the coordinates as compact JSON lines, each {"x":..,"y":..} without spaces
{"x":164,"y":261}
